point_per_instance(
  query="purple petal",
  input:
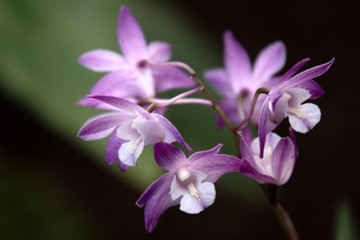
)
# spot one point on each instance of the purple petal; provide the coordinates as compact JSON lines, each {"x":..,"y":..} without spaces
{"x":245,"y":146}
{"x":120,"y":83}
{"x":168,"y":156}
{"x":313,"y":87}
{"x":248,"y":170}
{"x":167,"y":78}
{"x":308,"y":74}
{"x":131,"y":38}
{"x":121,"y":104}
{"x":171,"y":133}
{"x":293,"y":70}
{"x":220,"y":81}
{"x":237,"y":62}
{"x":265,"y":125}
{"x":112,"y":149}
{"x":157,"y":200}
{"x":283,"y":160}
{"x":269,"y":61}
{"x":100,"y":126}
{"x":102,"y":60}
{"x":214,"y":165}
{"x":159,"y":51}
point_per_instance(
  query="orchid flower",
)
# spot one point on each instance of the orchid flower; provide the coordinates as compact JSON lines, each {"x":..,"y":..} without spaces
{"x":188,"y":182}
{"x":286,"y":100}
{"x":132,"y":76}
{"x":238,"y":82}
{"x":278,"y":161}
{"x":131,"y":128}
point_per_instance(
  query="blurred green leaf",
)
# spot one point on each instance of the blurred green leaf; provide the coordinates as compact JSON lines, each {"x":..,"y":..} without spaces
{"x":346,"y":227}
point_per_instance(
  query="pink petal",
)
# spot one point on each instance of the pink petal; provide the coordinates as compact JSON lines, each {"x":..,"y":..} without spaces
{"x":168,"y":156}
{"x":220,"y":82}
{"x":131,"y":38}
{"x":308,"y":74}
{"x":167,"y":78}
{"x":171,"y":133}
{"x":270,"y":61}
{"x":159,"y":51}
{"x":157,"y":200}
{"x":102,"y":60}
{"x":214,"y":165}
{"x":100,"y":126}
{"x":283,"y":160}
{"x":237,"y":62}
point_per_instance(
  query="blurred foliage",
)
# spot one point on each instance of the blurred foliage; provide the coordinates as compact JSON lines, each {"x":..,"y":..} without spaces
{"x":345,"y":222}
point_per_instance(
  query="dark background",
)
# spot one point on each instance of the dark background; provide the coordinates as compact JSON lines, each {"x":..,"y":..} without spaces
{"x":69,"y":195}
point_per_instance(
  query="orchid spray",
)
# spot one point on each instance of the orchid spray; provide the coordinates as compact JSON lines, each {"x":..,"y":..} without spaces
{"x":252,"y":96}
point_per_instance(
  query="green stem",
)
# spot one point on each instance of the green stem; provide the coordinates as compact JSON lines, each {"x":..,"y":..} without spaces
{"x":219,"y":111}
{"x":281,"y":213}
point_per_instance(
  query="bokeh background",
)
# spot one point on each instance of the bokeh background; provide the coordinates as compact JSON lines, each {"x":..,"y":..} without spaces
{"x":54,"y":186}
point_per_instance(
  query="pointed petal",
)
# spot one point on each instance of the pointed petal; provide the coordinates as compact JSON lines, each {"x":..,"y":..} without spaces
{"x":171,"y":133}
{"x":308,"y":74}
{"x":214,"y":165}
{"x":248,"y":170}
{"x":167,"y":78}
{"x":220,"y":81}
{"x":306,"y":117}
{"x":159,"y":51}
{"x":283,"y":160}
{"x":121,"y":104}
{"x":292,"y":71}
{"x":245,"y":146}
{"x":101,"y":125}
{"x":237,"y":62}
{"x":270,"y":61}
{"x":157,"y":200}
{"x":102,"y":60}
{"x":131,"y":38}
{"x":167,"y":156}
{"x":192,"y":205}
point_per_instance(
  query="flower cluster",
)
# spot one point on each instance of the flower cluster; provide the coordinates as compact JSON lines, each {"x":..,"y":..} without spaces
{"x":251,"y":96}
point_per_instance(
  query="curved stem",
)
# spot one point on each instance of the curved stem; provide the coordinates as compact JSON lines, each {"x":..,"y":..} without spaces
{"x":286,"y":221}
{"x":281,"y":213}
{"x":252,"y":108}
{"x":174,"y":99}
{"x":180,"y":101}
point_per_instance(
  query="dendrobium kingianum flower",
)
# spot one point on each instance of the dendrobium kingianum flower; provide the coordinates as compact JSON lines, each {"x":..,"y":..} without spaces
{"x":188,"y":182}
{"x":133,"y":76}
{"x":131,"y":128}
{"x":238,"y":82}
{"x":286,"y":100}
{"x":278,"y":161}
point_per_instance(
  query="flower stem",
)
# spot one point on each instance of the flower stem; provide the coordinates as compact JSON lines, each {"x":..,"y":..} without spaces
{"x":219,"y":111}
{"x":252,"y":108}
{"x":281,"y":213}
{"x":173,"y":100}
